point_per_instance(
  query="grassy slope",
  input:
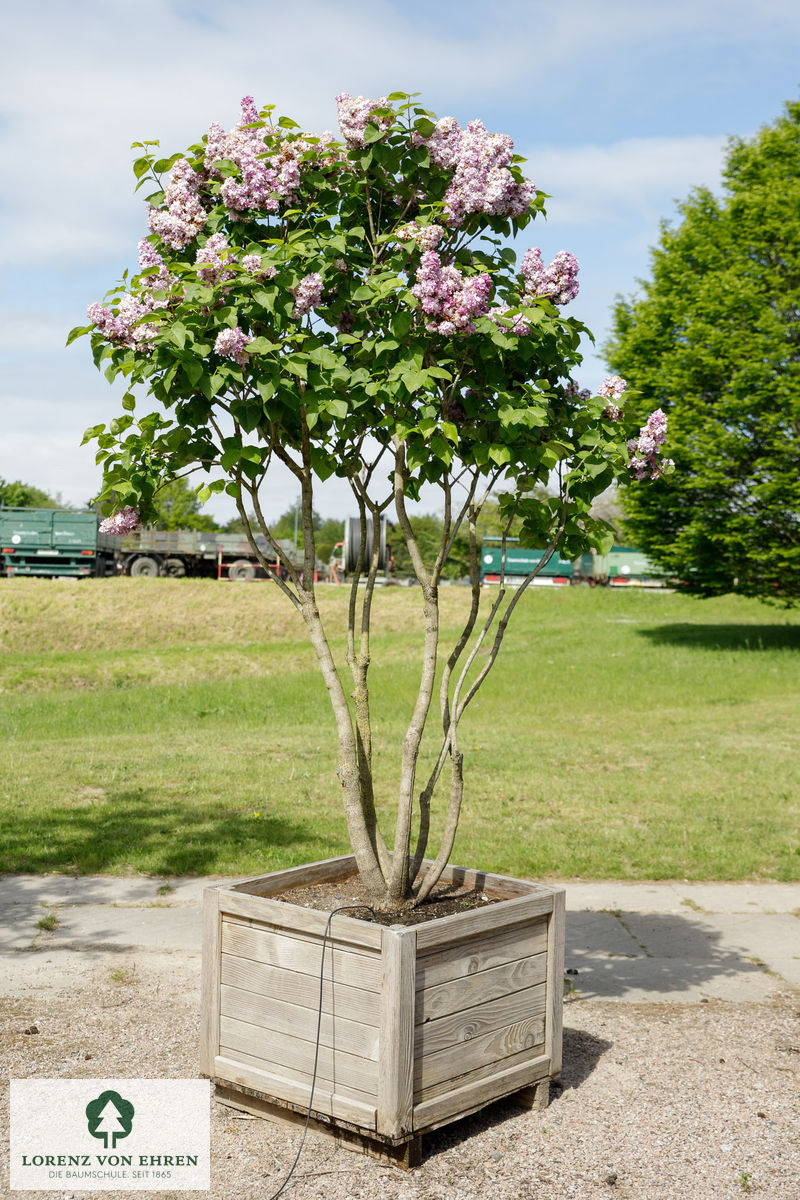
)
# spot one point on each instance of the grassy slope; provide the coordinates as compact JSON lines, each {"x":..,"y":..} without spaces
{"x":175,"y":726}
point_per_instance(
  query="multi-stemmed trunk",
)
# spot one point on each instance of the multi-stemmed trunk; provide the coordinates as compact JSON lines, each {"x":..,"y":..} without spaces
{"x":398,"y":877}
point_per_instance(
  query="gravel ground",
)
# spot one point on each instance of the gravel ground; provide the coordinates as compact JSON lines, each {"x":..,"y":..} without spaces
{"x":659,"y":1101}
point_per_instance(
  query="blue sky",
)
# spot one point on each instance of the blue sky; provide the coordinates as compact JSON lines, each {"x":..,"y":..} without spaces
{"x":621,"y":107}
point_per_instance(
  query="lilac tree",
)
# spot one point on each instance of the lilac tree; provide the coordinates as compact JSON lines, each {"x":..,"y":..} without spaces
{"x":351,"y":306}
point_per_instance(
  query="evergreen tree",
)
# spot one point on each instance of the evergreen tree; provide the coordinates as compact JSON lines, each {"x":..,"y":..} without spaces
{"x":713,"y":341}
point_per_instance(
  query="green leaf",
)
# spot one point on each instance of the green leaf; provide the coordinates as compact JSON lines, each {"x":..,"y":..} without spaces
{"x":297,"y":366}
{"x":92,"y":432}
{"x":501,"y":455}
{"x":261,"y":345}
{"x":177,"y":334}
{"x":415,"y":379}
{"x":402,"y":323}
{"x":77,"y":332}
{"x":129,"y":401}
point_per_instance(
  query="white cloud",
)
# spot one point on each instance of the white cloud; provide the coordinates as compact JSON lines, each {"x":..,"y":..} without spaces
{"x":636,"y":177}
{"x":22,"y":331}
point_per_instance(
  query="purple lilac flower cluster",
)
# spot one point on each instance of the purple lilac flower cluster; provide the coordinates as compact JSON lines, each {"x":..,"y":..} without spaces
{"x":252,"y":264}
{"x":123,"y":326}
{"x":266,"y":179}
{"x":573,"y":392}
{"x":427,"y":237}
{"x":121,"y":523}
{"x":212,"y":260}
{"x":450,"y":300}
{"x":518,"y":324}
{"x":217,"y":262}
{"x":354,"y":112}
{"x":307,"y":294}
{"x":611,"y":389}
{"x":558,"y":280}
{"x":482,"y":181}
{"x":231,"y":343}
{"x":184,"y":216}
{"x":151,"y":260}
{"x":645,"y":449}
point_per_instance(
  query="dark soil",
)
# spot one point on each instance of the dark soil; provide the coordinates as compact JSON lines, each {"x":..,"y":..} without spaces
{"x":445,"y":900}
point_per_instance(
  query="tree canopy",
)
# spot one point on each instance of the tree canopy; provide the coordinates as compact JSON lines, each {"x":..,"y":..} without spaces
{"x":16,"y":494}
{"x":713,"y":341}
{"x":176,"y":506}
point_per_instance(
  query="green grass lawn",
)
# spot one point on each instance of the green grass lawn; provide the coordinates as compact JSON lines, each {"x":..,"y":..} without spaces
{"x":179,"y":726}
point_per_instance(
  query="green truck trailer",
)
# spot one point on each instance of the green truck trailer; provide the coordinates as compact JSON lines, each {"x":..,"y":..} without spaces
{"x":519,"y":563}
{"x":623,"y":566}
{"x":49,"y":541}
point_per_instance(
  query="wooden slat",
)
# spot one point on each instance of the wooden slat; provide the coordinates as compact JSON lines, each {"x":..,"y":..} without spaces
{"x":494,"y":885}
{"x":467,"y":958}
{"x":301,"y":952}
{"x":273,"y":1084}
{"x":464,"y":1100}
{"x":459,"y":995}
{"x":307,"y":920}
{"x":210,"y":981}
{"x":461,"y":926}
{"x":337,"y":998}
{"x":299,"y":1022}
{"x":479,"y":1073}
{"x":281,"y":881}
{"x":452,"y":1031}
{"x":293,"y":1057}
{"x":396,"y":1062}
{"x":486,"y":1051}
{"x":555,"y":981}
{"x":305,"y":1077}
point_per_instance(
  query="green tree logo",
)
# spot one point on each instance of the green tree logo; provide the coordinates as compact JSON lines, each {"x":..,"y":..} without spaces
{"x":110,"y":1118}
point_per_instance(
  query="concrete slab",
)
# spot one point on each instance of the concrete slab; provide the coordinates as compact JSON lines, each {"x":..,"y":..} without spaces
{"x":637,"y":942}
{"x":675,"y":896}
{"x":85,"y":889}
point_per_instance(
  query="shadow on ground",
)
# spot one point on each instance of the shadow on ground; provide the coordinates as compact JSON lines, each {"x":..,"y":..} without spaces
{"x":174,"y":838}
{"x":621,"y":954}
{"x":582,"y":1053}
{"x":725,"y":637}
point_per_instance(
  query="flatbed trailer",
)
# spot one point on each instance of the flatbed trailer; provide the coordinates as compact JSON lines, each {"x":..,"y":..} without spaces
{"x":181,"y":552}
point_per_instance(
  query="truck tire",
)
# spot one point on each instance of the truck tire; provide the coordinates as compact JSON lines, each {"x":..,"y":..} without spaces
{"x":241,"y":569}
{"x":145,"y":565}
{"x":175,"y":568}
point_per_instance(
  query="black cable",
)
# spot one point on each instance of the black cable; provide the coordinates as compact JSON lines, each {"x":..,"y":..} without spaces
{"x":344,"y":908}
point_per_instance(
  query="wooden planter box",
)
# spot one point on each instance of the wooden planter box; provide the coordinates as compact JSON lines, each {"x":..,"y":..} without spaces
{"x":421,"y":1024}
